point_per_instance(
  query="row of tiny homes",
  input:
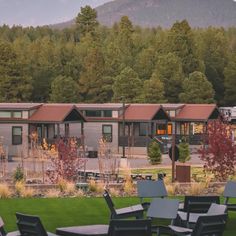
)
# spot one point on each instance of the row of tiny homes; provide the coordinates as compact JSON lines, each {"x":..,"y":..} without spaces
{"x":122,"y":125}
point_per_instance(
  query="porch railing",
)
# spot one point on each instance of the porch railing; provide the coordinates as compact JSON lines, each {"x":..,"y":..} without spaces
{"x":143,"y":141}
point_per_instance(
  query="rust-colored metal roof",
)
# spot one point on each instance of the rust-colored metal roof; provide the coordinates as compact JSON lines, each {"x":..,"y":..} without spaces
{"x":19,"y":106}
{"x":172,"y":106}
{"x":99,"y":106}
{"x":107,"y":119}
{"x":142,"y":112}
{"x":196,"y":112}
{"x":54,"y":113}
{"x":13,"y":120}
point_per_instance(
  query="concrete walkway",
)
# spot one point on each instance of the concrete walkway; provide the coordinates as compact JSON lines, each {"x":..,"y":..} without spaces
{"x":92,"y":163}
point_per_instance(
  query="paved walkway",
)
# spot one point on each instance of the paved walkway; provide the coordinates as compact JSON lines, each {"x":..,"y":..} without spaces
{"x":92,"y":163}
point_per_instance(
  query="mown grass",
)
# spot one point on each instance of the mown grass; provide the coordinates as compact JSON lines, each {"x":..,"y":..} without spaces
{"x":62,"y":212}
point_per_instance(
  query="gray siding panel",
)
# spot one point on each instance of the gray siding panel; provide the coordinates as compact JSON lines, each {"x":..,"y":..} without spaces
{"x":93,"y":133}
{"x":6,"y":135}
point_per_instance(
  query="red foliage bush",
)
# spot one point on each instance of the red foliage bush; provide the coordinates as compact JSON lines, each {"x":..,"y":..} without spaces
{"x":220,"y":152}
{"x":67,"y":164}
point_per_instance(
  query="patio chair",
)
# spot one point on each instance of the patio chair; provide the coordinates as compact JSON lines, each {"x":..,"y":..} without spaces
{"x":3,"y":231}
{"x":137,"y":227}
{"x":89,"y":230}
{"x":162,"y":208}
{"x":189,"y":219}
{"x":230,"y":192}
{"x":195,"y":204}
{"x":210,"y":225}
{"x":29,"y":225}
{"x":150,"y":189}
{"x":132,"y":211}
{"x":199,"y":204}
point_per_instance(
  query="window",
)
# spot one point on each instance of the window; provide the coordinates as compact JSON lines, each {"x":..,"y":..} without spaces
{"x":107,"y":133}
{"x":94,"y":113}
{"x":5,"y":114}
{"x":107,"y":113}
{"x":10,"y":114}
{"x":17,"y":114}
{"x":142,"y":129}
{"x":16,"y":135}
{"x":169,"y":129}
{"x":198,"y":128}
{"x":161,"y":129}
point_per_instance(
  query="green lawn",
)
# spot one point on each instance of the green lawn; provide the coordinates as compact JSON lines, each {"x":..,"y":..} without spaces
{"x":62,"y":212}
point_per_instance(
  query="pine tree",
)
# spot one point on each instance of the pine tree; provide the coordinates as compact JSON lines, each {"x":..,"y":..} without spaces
{"x":230,"y":82}
{"x":154,"y":153}
{"x":15,"y":85}
{"x":184,"y":152}
{"x":127,"y":85}
{"x":183,"y":45}
{"x":86,"y":21}
{"x":64,"y":90}
{"x":153,"y":91}
{"x":169,"y":71}
{"x":215,"y":56}
{"x":197,"y":89}
{"x":91,"y":78}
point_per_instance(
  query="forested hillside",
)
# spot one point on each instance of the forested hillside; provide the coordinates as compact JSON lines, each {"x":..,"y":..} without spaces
{"x":92,"y":63}
{"x":154,"y":13}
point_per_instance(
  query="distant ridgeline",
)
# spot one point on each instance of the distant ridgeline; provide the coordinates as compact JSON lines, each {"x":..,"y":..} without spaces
{"x":153,"y":13}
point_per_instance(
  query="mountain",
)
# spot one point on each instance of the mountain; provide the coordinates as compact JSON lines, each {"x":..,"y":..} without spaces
{"x":153,"y":13}
{"x":148,"y":13}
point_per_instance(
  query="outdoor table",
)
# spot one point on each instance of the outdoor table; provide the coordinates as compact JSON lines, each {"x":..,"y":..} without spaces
{"x":163,"y":208}
{"x":88,"y":230}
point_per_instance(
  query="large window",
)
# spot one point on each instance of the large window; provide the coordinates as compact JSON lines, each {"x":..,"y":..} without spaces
{"x":198,"y":128}
{"x":143,"y":129}
{"x":98,"y":113}
{"x":107,"y":113}
{"x":93,"y":113}
{"x":161,"y":129}
{"x":17,"y":114}
{"x":107,"y":133}
{"x":5,"y":114}
{"x":10,"y":114}
{"x":16,"y":135}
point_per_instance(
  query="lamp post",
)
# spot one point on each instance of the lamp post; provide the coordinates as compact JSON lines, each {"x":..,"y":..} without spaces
{"x":173,"y":151}
{"x":123,"y":127}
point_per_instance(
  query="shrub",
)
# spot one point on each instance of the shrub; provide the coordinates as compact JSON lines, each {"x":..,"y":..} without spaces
{"x":19,"y":188}
{"x":114,"y":192}
{"x":220,"y":154}
{"x":70,"y":189}
{"x":62,"y":185}
{"x":154,"y":153}
{"x":196,"y":189}
{"x":129,"y":187}
{"x":67,"y":164}
{"x":27,"y":192}
{"x":18,"y":174}
{"x":184,"y":152}
{"x":172,"y":189}
{"x":79,"y":193}
{"x":53,"y":193}
{"x":96,"y":187}
{"x":4,"y":191}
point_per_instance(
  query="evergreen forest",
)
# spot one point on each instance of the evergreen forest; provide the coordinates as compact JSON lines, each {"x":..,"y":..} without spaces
{"x":91,"y":63}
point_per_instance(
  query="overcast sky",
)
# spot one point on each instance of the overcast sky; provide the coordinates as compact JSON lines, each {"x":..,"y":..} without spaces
{"x":41,"y":12}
